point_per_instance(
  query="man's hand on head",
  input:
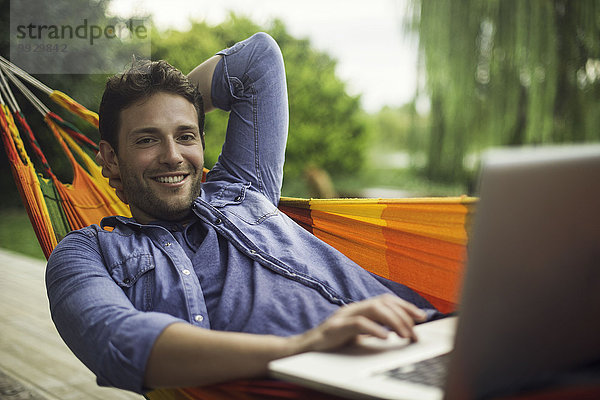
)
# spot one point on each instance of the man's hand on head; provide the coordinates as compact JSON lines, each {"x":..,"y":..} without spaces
{"x":376,"y":317}
{"x":114,"y":180}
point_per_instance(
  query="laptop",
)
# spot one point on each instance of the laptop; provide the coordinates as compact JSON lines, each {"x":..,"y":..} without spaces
{"x":529,"y":313}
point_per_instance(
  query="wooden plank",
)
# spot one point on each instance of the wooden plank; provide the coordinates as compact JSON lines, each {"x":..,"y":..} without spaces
{"x":31,"y":351}
{"x":12,"y":389}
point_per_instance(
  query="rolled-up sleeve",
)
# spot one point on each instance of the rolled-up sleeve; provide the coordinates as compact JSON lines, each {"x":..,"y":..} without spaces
{"x":95,"y":318}
{"x":250,"y":82}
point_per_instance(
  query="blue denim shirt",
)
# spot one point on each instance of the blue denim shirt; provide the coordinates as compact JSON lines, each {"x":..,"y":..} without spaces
{"x":240,"y":265}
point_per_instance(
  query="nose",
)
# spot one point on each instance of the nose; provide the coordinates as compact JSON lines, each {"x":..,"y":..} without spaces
{"x":171,"y":154}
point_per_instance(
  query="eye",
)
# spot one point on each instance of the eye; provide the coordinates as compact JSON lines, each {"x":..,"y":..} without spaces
{"x":144,"y":140}
{"x":187,"y":137}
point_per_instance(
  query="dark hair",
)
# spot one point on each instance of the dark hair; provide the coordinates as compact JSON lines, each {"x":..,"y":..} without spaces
{"x":143,"y":79}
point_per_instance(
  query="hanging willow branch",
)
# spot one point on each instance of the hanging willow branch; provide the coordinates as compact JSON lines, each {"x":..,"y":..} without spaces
{"x":507,"y":72}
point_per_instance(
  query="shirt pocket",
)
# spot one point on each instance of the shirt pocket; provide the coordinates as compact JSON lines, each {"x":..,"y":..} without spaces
{"x":240,"y":201}
{"x":135,"y":275}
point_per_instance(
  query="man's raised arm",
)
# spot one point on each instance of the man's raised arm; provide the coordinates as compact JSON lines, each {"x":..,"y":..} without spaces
{"x":202,"y":76}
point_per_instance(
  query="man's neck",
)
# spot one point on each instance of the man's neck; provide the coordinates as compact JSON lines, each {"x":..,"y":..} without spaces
{"x":144,"y":218}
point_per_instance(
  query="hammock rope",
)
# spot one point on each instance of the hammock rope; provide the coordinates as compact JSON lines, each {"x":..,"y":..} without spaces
{"x":419,"y":242}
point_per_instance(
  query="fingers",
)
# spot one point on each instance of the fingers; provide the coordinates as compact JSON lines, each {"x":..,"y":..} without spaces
{"x":337,"y":331}
{"x":398,"y":320}
{"x":361,"y":325}
{"x":375,"y":317}
{"x":404,"y":318}
{"x":391,"y":312}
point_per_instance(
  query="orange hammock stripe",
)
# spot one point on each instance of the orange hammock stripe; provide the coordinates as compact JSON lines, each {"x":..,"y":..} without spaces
{"x":419,"y":242}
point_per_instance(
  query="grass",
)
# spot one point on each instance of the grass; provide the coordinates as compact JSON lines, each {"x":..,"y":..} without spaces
{"x":16,"y":233}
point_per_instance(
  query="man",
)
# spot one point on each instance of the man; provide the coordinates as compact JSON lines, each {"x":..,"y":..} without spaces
{"x":210,"y":282}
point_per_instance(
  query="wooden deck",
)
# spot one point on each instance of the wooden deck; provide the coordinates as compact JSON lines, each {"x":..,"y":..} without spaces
{"x":34,"y":361}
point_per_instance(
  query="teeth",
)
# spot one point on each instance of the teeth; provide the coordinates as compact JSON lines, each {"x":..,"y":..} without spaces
{"x":170,"y":179}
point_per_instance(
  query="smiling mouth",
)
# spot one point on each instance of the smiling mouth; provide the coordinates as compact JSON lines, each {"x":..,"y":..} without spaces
{"x":170,"y":179}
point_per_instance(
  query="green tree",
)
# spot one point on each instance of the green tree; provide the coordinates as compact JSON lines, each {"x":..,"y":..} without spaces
{"x":507,"y":72}
{"x":398,"y":128}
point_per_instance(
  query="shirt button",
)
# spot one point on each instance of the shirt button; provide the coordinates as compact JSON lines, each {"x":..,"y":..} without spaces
{"x":167,"y":244}
{"x":238,"y":199}
{"x":218,"y":221}
{"x":186,"y":272}
{"x":198,"y":318}
{"x":252,"y":251}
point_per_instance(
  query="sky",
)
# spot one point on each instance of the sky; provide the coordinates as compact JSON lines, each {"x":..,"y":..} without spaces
{"x":376,"y":58}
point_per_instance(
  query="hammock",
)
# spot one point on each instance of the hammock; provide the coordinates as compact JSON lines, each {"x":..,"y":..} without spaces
{"x":419,"y":242}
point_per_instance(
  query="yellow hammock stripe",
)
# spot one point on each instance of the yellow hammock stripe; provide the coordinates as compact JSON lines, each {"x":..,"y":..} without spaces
{"x":74,"y":107}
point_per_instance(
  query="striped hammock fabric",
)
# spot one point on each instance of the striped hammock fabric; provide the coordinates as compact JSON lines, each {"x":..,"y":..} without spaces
{"x":419,"y":242}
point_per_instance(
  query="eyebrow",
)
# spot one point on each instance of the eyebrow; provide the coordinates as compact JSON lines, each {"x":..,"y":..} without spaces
{"x":151,"y":129}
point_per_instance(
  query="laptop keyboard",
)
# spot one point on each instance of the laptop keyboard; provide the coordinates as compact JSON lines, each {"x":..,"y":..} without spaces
{"x":429,"y":372}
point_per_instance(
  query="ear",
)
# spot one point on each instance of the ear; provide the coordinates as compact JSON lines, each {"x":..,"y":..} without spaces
{"x":108,"y":160}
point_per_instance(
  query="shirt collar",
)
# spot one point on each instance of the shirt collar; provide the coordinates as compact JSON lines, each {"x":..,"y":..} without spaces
{"x":112,"y":222}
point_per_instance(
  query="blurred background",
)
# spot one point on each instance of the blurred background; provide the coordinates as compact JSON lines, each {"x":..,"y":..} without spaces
{"x":388,"y":98}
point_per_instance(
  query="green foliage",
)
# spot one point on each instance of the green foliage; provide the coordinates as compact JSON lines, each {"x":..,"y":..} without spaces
{"x":399,"y":128}
{"x":327,"y":126}
{"x":507,"y":72}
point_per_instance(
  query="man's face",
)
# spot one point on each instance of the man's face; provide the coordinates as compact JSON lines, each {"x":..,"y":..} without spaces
{"x":160,"y":157}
